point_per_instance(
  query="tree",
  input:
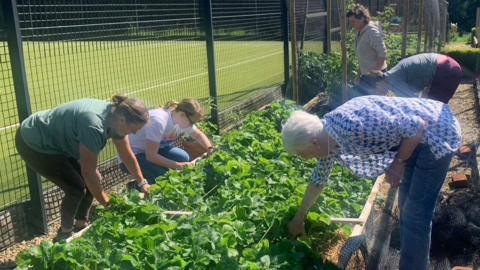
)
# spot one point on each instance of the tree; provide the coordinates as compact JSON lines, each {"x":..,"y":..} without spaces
{"x":463,"y":12}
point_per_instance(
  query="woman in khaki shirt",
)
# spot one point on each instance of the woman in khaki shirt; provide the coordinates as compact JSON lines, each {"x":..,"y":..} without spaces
{"x":370,"y":46}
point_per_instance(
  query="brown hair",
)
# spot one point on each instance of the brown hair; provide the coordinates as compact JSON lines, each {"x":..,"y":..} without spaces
{"x":133,"y":110}
{"x":192,"y":109}
{"x":360,"y":12}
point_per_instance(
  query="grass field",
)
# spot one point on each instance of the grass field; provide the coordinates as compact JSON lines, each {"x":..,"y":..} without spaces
{"x":59,"y":72}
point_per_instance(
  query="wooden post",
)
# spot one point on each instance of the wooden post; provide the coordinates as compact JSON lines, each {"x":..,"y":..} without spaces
{"x":327,"y":44}
{"x":425,"y":35}
{"x":304,"y":30}
{"x":294,"y":51}
{"x":406,"y":10}
{"x":343,"y":26}
{"x":443,"y":6}
{"x":420,"y":24}
{"x":477,"y":25}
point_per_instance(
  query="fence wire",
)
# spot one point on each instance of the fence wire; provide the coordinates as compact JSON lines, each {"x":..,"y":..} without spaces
{"x":248,"y":48}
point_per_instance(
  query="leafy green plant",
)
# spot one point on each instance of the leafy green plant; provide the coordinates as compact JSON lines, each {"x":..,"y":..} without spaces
{"x":465,"y":55}
{"x":242,"y":198}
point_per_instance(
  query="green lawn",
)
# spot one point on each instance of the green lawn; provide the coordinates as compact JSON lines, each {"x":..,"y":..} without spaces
{"x":59,"y":72}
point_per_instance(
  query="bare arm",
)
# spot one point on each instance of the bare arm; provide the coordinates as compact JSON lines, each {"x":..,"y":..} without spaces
{"x":297,"y":224}
{"x":201,"y":138}
{"x":92,"y":178}
{"x":309,"y":199}
{"x":395,"y":172}
{"x":128,"y":157}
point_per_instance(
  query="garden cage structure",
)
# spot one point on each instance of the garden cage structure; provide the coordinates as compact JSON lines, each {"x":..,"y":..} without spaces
{"x":234,"y":56}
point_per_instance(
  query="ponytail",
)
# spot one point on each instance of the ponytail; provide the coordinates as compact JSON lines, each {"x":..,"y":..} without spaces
{"x":171,"y":105}
{"x":118,"y":99}
{"x":133,"y":110}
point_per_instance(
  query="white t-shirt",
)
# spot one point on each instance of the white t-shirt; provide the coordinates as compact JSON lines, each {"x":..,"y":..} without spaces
{"x":160,"y":129}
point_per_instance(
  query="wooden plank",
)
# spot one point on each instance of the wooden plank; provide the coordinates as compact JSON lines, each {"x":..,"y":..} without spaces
{"x":335,"y":29}
{"x":367,"y":209}
{"x":85,"y":230}
{"x":317,"y":15}
{"x":347,"y":221}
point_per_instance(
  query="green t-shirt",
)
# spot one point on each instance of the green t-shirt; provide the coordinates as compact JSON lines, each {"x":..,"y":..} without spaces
{"x":60,"y":131}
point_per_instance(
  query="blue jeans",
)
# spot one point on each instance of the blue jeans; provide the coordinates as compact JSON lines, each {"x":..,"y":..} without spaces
{"x":151,"y":171}
{"x":423,"y":178}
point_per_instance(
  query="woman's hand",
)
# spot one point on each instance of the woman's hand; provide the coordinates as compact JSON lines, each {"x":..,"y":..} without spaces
{"x":145,"y":189}
{"x":296,"y":227}
{"x":183,"y":165}
{"x":210,"y":150}
{"x":394,"y":174}
{"x":105,"y":200}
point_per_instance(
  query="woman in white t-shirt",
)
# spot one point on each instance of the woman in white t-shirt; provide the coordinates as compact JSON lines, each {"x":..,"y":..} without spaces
{"x":154,"y":145}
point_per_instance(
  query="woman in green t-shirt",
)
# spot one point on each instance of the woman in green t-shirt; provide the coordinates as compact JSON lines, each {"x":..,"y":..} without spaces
{"x":63,"y":144}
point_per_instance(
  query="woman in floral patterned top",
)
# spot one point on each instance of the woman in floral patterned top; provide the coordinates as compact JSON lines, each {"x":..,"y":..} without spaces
{"x":411,"y":140}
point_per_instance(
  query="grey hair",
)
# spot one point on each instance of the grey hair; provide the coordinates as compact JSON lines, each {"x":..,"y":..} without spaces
{"x":299,"y":130}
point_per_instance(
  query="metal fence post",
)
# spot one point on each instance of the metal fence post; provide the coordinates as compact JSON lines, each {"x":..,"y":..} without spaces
{"x":406,"y":10}
{"x":36,"y":216}
{"x":343,"y":25}
{"x":286,"y":49}
{"x":293,"y":26}
{"x":212,"y":72}
{"x":420,"y":24}
{"x":327,"y":42}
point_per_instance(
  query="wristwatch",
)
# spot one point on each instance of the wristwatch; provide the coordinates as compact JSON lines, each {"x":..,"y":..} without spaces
{"x":141,"y":184}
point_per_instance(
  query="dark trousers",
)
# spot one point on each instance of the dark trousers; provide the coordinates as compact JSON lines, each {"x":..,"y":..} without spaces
{"x":65,"y":173}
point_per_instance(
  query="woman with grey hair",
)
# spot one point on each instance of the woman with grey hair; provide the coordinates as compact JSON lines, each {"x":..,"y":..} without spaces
{"x":411,"y":140}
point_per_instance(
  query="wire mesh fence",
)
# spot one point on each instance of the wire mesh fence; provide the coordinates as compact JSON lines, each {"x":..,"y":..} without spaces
{"x":248,"y":48}
{"x":147,"y":49}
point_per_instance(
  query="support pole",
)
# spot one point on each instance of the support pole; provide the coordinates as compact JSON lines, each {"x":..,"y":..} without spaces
{"x":286,"y":49}
{"x":327,"y":42}
{"x":212,"y":72}
{"x":477,"y":25}
{"x":343,"y":26}
{"x":406,"y":10}
{"x":420,"y":25}
{"x":36,"y":216}
{"x":293,"y":24}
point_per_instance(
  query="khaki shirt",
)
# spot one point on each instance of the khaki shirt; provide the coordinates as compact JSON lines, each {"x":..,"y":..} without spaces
{"x":370,"y":47}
